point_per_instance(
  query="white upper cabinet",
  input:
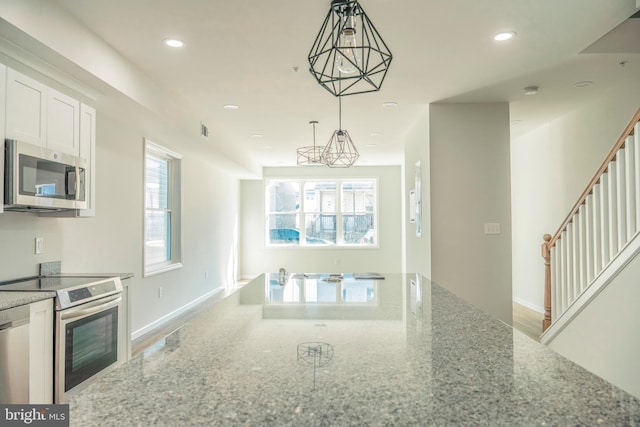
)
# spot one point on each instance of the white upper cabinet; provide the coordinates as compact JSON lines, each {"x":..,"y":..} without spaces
{"x":3,"y":95}
{"x":41,"y":115}
{"x":26,"y":109}
{"x":35,"y":113}
{"x":63,"y":129}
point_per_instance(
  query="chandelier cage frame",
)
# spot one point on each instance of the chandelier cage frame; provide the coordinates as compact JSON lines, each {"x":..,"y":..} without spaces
{"x":311,"y":155}
{"x":374,"y":55}
{"x":340,"y":151}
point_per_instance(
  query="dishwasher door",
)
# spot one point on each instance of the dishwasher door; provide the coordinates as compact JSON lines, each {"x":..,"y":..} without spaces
{"x":14,"y":355}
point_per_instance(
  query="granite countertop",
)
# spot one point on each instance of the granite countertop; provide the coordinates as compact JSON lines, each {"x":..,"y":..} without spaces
{"x":269,"y":355}
{"x":15,"y":299}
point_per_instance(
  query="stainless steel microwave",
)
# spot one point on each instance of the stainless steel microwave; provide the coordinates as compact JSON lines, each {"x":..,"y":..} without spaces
{"x":37,"y":179}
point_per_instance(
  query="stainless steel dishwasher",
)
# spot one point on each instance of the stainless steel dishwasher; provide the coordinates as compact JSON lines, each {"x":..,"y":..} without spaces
{"x":14,"y":355}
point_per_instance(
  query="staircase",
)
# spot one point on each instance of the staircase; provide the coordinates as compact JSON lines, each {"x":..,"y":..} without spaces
{"x":598,"y":238}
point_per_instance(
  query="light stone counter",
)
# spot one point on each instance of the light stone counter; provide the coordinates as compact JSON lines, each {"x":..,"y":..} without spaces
{"x":14,"y":299}
{"x":410,"y":354}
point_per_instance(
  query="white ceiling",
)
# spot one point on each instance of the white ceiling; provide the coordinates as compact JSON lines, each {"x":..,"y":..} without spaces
{"x":244,"y":52}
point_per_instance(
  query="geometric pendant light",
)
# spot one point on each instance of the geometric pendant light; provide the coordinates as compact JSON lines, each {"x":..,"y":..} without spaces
{"x":311,"y":155}
{"x":349,"y":56}
{"x":340,"y":151}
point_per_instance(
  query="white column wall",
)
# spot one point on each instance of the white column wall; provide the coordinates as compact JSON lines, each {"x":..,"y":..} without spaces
{"x":418,"y":249}
{"x":470,"y":186}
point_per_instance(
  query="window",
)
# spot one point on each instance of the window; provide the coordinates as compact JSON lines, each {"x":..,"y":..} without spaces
{"x":162,"y":209}
{"x":321,"y":212}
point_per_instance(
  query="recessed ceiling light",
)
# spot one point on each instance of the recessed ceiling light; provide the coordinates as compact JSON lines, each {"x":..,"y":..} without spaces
{"x":504,"y":36}
{"x":230,"y":107}
{"x":376,"y":134}
{"x":174,"y":42}
{"x":531,"y":90}
{"x":267,"y":147}
{"x":516,"y":121}
{"x":372,"y":145}
{"x":583,"y":83}
{"x":257,"y":135}
{"x":390,"y":104}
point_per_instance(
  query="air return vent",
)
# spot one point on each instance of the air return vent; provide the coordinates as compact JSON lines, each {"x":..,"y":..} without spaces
{"x":204,"y":130}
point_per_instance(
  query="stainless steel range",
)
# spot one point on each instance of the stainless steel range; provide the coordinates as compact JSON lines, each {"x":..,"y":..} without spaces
{"x":90,"y":334}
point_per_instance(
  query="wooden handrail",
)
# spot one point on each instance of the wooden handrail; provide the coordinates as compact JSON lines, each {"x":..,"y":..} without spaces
{"x":550,"y":241}
{"x":628,"y":131}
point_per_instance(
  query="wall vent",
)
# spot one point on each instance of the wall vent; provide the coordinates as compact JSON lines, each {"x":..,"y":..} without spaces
{"x":204,"y":130}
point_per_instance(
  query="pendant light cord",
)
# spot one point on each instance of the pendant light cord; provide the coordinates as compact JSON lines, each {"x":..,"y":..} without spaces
{"x":314,"y":138}
{"x":340,"y":113}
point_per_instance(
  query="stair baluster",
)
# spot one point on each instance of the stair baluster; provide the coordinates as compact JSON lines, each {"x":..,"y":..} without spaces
{"x":603,"y":221}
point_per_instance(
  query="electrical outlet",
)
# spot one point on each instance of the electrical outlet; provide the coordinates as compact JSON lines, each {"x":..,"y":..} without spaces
{"x":492,"y":228}
{"x":160,"y":292}
{"x":39,"y":245}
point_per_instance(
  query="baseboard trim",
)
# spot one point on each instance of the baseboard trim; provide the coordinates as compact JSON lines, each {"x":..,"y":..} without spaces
{"x":530,"y":306}
{"x":166,"y":318}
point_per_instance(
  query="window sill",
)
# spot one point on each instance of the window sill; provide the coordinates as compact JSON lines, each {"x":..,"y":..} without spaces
{"x":161,"y":269}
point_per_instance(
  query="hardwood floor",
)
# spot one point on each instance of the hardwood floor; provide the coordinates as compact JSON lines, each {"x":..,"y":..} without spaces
{"x":527,"y":321}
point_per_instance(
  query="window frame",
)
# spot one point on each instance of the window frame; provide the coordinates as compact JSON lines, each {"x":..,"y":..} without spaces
{"x":174,"y":208}
{"x":301,"y":212}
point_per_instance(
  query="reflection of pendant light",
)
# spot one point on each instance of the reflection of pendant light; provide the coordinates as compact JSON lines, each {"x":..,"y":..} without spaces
{"x":311,"y":155}
{"x":348,"y":49}
{"x":340,"y":152}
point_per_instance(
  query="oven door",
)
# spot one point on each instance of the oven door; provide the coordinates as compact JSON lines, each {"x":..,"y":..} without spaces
{"x":89,"y":343}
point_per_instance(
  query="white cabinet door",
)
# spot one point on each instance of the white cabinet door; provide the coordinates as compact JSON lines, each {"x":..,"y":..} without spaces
{"x":3,"y":100}
{"x":63,"y":130}
{"x":41,"y":352}
{"x":26,"y":109}
{"x":88,"y":152}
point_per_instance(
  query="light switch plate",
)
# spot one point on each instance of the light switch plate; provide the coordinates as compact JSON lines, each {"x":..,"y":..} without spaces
{"x":39,"y":245}
{"x":492,"y":228}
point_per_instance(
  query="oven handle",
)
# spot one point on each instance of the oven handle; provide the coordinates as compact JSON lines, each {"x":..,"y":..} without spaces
{"x":91,"y":308}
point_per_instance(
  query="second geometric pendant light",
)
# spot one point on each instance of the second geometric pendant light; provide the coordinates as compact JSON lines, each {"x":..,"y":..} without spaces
{"x":340,"y":152}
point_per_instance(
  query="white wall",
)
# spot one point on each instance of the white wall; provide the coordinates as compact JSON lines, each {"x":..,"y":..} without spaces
{"x":470,"y":186}
{"x":129,"y":108}
{"x":256,"y":258}
{"x":418,"y":249}
{"x":603,"y":337}
{"x":17,"y":243}
{"x":210,"y":219}
{"x":551,"y":166}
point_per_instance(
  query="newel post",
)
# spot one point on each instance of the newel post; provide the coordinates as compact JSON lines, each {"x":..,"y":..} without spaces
{"x":546,"y":255}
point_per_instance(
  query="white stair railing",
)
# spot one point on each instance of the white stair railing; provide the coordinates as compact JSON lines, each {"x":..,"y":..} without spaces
{"x":604,"y":219}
